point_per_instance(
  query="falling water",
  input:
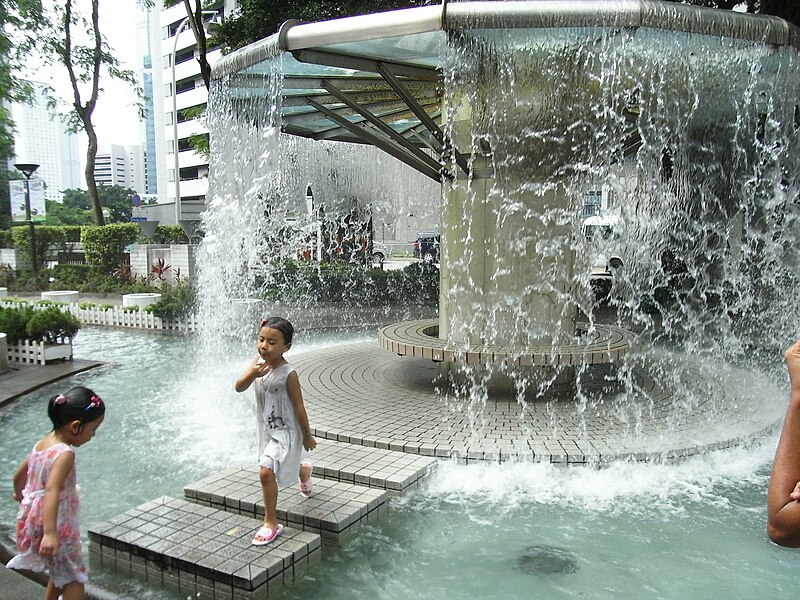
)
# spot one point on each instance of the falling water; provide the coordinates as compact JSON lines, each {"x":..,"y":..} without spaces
{"x":696,"y":139}
{"x":258,"y":183}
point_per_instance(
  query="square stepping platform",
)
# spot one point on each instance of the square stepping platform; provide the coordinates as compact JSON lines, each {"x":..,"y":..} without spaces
{"x":377,"y":467}
{"x":200,"y":551}
{"x":335,"y":508}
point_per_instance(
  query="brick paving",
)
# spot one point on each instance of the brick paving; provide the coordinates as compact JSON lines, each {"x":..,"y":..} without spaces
{"x":360,"y":394}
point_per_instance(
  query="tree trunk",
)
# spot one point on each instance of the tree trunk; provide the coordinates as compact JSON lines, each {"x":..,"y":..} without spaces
{"x":91,"y":184}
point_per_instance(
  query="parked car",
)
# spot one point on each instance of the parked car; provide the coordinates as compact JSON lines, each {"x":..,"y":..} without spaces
{"x":426,"y":246}
{"x":379,"y":253}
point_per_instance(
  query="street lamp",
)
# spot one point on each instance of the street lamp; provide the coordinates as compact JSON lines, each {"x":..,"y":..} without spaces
{"x":178,"y":32}
{"x":28,"y":170}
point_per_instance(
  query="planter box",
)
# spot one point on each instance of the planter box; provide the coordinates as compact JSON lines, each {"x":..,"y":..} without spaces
{"x":38,"y":353}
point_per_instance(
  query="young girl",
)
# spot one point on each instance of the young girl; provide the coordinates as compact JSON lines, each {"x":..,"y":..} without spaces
{"x":48,"y":535}
{"x":283,"y":429}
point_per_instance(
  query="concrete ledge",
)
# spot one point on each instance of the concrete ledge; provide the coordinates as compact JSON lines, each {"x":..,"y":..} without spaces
{"x":604,"y":344}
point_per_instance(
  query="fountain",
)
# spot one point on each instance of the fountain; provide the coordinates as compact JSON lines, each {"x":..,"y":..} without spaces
{"x":497,"y":118}
{"x":517,"y":110}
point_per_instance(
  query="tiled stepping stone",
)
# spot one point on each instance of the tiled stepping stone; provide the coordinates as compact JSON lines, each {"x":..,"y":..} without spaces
{"x":199,"y":550}
{"x":333,"y":509}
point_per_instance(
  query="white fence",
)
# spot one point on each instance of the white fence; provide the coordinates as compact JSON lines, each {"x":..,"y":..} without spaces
{"x":116,"y":317}
{"x":39,"y":353}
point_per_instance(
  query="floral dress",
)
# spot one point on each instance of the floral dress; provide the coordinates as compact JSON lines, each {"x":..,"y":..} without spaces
{"x":67,"y":565}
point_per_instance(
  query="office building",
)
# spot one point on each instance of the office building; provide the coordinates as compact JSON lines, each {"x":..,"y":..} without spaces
{"x":41,"y":138}
{"x":119,"y":165}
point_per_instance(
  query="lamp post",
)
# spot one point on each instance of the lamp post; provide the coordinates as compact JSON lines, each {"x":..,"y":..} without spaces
{"x":178,"y":32}
{"x":28,"y":170}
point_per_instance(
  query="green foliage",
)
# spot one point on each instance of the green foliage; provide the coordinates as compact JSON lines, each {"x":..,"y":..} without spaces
{"x":28,"y":281}
{"x":23,"y":18}
{"x":86,"y":305}
{"x":13,"y":322}
{"x":106,"y":306}
{"x":416,"y":284}
{"x":258,"y":19}
{"x":7,"y":276}
{"x":51,"y":325}
{"x":177,"y":301}
{"x":6,"y":239}
{"x":169,"y":234}
{"x":49,"y":241}
{"x":59,"y":214}
{"x":115,"y":198}
{"x":105,"y":246}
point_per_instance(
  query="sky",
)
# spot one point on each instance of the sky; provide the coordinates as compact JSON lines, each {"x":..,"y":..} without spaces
{"x":115,"y":118}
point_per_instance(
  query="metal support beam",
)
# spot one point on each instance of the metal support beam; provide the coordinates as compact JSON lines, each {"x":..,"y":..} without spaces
{"x":380,"y":124}
{"x":382,"y":143}
{"x":386,"y":72}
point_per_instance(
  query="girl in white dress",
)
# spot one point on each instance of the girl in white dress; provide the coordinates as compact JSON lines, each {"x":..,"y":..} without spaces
{"x":283,"y":430}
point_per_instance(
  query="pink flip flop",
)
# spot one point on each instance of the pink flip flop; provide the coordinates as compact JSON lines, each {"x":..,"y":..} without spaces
{"x":306,"y":487}
{"x":265,"y":535}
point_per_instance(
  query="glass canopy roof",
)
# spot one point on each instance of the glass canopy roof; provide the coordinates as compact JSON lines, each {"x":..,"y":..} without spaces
{"x":377,"y":79}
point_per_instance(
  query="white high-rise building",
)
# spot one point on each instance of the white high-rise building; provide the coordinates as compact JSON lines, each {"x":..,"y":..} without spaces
{"x":191,"y":96}
{"x":119,"y":165}
{"x":42,"y":139}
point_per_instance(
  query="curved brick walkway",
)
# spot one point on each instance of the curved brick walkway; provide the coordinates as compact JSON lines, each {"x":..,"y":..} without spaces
{"x":361,"y":394}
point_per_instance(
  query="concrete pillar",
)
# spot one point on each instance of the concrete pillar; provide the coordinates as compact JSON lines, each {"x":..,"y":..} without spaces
{"x":507,"y":263}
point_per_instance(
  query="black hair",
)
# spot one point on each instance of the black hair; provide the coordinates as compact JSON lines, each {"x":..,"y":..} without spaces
{"x":282,"y":325}
{"x":78,"y":404}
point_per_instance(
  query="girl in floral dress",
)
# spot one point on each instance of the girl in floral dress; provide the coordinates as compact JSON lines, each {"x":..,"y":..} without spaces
{"x":48,"y":534}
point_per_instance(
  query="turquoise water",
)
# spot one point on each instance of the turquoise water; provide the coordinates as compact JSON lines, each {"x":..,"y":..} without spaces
{"x":693,"y":530}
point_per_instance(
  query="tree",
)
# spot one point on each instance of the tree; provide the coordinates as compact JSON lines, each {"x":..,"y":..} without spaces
{"x":58,"y":214}
{"x":194,"y":12}
{"x":23,"y":17}
{"x":257,"y":19}
{"x":114,"y":198}
{"x":85,"y":63}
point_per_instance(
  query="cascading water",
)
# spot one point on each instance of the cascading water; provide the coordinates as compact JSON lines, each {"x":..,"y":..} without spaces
{"x":259,"y":179}
{"x":692,"y":137}
{"x":696,"y":138}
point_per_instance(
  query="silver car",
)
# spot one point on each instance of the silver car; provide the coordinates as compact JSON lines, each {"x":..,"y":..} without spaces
{"x":379,"y":253}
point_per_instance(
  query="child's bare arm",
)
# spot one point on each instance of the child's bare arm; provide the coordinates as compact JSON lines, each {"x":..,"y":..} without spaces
{"x":296,"y":396}
{"x":55,"y":483}
{"x":254,"y":370}
{"x":20,"y":479}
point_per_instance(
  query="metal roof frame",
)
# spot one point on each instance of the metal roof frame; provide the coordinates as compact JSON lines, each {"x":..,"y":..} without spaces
{"x":394,"y":101}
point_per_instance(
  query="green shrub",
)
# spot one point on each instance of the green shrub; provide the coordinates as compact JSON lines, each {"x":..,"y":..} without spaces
{"x":50,"y":303}
{"x":130,"y":309}
{"x":73,"y":277}
{"x":85,"y":305}
{"x":6,"y":239}
{"x":169,"y":234}
{"x":29,"y":281}
{"x":7,"y":276}
{"x":52,"y":324}
{"x":13,"y":322}
{"x":105,"y":246}
{"x":177,"y":301}
{"x":106,"y":306}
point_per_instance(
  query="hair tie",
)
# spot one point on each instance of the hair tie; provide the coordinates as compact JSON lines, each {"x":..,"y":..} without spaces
{"x":264,"y":321}
{"x":60,"y":399}
{"x":94,"y":402}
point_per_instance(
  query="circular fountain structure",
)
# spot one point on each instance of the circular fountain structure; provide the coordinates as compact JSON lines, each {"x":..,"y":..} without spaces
{"x":680,"y":123}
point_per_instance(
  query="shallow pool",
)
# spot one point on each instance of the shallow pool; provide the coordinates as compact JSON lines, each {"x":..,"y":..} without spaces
{"x":693,"y":530}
